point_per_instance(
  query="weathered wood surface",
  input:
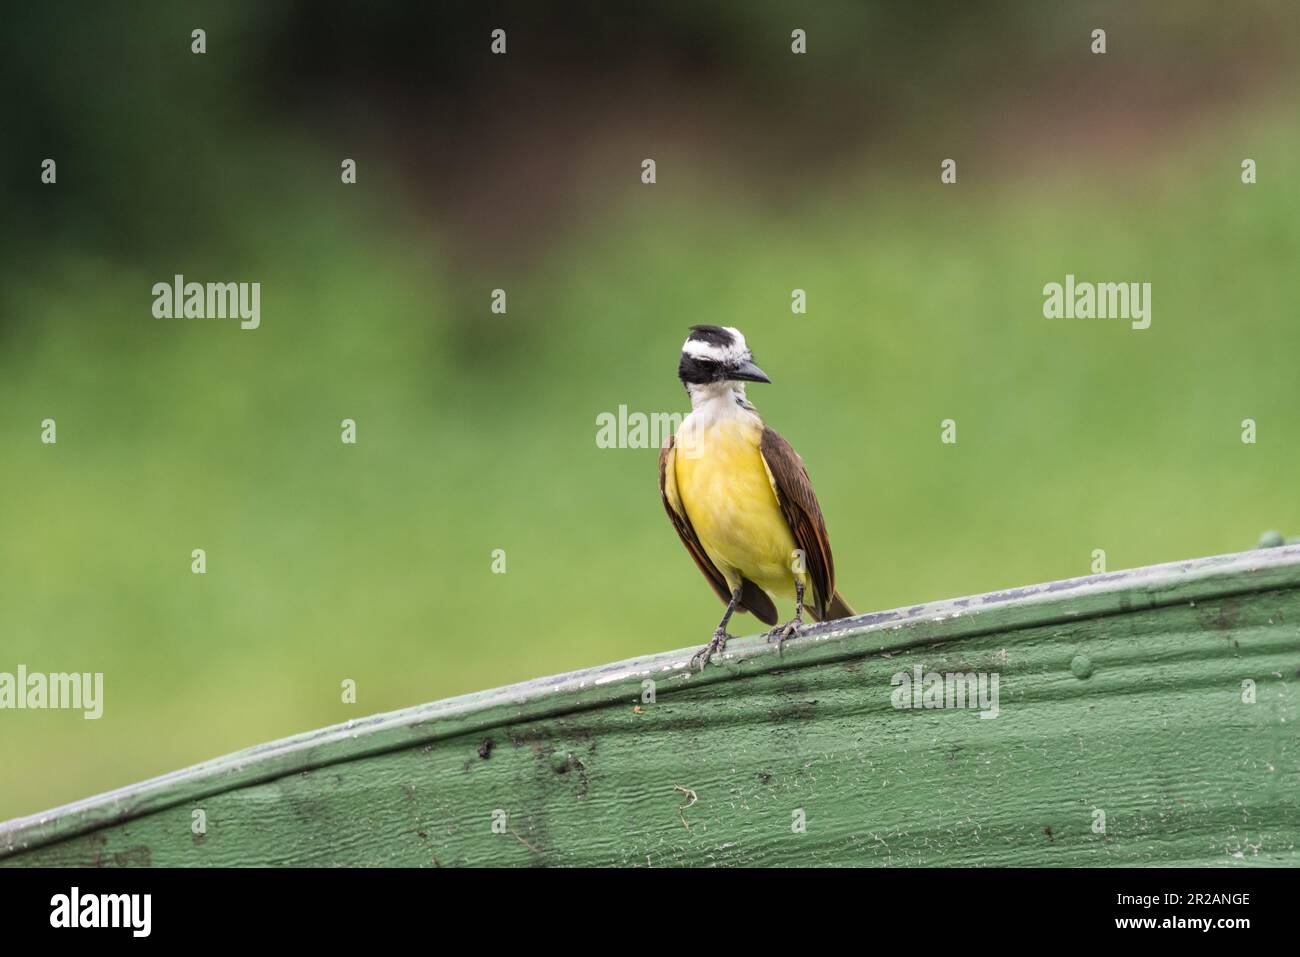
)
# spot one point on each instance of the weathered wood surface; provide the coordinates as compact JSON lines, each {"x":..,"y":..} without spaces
{"x":1120,"y":693}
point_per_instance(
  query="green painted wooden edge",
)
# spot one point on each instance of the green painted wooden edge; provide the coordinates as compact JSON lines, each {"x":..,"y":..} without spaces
{"x":880,"y":632}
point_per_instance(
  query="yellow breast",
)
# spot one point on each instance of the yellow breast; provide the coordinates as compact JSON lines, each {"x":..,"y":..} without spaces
{"x":725,"y":490}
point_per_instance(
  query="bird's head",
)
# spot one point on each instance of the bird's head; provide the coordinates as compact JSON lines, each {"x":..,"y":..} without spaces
{"x":713,"y":355}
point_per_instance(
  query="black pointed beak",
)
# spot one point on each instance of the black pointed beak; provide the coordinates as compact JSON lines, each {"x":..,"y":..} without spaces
{"x":748,"y":372}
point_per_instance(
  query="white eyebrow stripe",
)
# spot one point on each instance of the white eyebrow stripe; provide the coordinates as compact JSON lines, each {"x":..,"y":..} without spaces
{"x":699,"y":349}
{"x":703,"y":350}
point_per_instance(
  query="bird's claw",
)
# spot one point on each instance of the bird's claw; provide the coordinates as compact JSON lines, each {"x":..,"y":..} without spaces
{"x":717,"y":644}
{"x":780,"y":633}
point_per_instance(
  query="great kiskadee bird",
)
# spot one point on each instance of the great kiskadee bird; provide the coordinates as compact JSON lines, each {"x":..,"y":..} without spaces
{"x":740,"y":498}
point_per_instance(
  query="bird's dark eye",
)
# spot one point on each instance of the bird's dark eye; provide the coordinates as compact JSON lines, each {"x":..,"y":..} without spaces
{"x":700,"y":369}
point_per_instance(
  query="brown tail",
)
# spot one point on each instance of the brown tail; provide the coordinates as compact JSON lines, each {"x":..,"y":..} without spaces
{"x":838,"y":608}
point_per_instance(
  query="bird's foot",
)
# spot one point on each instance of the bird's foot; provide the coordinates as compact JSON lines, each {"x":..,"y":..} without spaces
{"x":716,"y":645}
{"x":780,"y":633}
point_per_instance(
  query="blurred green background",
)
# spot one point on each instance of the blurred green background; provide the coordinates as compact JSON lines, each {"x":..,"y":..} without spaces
{"x":477,"y":431}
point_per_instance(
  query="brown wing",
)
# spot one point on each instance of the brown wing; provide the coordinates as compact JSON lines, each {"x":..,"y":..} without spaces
{"x":752,"y":598}
{"x":803,"y":514}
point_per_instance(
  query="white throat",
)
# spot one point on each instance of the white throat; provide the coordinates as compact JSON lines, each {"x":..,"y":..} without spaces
{"x":716,"y":402}
{"x":723,"y":392}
